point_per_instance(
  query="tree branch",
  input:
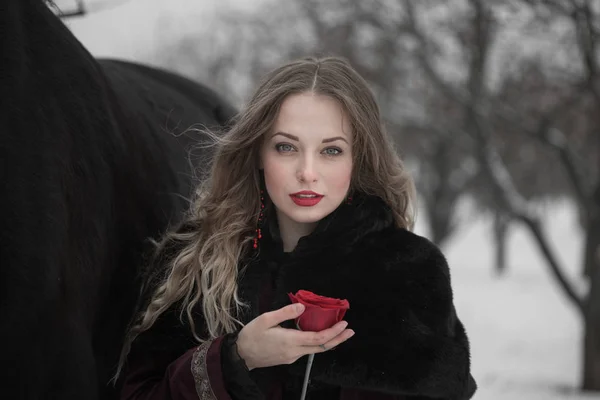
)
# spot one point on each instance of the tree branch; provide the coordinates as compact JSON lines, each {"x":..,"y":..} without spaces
{"x":421,"y":53}
{"x":479,"y":53}
{"x":543,"y":131}
{"x":586,"y":42}
{"x":478,"y":123}
{"x":517,"y":206}
{"x":546,"y":132}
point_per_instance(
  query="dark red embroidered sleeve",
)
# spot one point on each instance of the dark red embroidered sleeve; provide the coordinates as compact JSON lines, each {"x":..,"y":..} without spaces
{"x":194,"y":375}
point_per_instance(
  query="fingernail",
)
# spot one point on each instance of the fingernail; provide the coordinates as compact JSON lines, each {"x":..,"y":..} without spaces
{"x":343,"y":325}
{"x":299,"y":307}
{"x":351,"y":334}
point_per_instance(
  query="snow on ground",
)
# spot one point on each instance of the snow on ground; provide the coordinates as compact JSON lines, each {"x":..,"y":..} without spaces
{"x":525,"y":337}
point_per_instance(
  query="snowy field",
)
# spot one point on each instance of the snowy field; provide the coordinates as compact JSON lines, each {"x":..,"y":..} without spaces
{"x":525,"y":337}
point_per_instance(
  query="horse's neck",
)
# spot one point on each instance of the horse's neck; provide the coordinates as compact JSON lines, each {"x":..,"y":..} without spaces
{"x":38,"y":47}
{"x":31,"y":30}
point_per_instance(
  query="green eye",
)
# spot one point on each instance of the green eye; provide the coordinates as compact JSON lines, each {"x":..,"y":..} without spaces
{"x":332,"y":151}
{"x":284,"y":147}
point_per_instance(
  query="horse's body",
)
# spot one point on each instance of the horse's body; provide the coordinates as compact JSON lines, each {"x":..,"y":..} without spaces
{"x":89,"y":171}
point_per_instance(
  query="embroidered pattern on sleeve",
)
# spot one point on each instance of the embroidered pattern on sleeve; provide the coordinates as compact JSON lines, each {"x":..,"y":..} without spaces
{"x":200,"y":372}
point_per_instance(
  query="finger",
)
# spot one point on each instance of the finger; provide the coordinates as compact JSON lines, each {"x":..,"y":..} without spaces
{"x":291,"y":311}
{"x":333,"y":343}
{"x":324,"y":336}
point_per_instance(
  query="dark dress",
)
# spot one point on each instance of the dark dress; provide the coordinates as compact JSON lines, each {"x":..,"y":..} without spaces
{"x":409,"y":342}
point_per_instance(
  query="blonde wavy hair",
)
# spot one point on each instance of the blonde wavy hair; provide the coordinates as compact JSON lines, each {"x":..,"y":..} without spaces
{"x":226,"y":208}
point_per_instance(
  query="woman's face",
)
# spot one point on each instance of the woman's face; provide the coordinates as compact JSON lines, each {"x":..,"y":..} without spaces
{"x":307,"y":158}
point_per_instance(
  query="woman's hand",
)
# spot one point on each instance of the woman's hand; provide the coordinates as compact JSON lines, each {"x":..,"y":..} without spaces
{"x":263,"y":343}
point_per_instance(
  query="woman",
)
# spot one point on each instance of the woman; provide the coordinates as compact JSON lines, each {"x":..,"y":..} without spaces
{"x":305,"y":192}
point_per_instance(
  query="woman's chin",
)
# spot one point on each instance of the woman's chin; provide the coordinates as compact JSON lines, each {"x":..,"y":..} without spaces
{"x":307,"y":215}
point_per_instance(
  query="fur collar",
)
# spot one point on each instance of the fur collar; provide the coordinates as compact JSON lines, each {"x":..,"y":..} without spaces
{"x":408,"y":338}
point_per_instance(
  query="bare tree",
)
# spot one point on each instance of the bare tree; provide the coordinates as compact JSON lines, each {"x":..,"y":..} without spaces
{"x":481,"y":110}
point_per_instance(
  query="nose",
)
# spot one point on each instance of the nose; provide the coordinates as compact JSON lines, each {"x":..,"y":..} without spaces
{"x":307,"y":171}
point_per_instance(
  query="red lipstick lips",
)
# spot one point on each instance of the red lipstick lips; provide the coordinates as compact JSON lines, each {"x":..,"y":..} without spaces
{"x":306,"y":198}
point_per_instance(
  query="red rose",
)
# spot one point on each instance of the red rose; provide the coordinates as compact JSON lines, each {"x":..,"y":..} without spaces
{"x":320,"y":312}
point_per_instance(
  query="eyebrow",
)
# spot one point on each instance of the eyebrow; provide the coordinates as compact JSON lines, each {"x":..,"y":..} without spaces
{"x":292,"y":137}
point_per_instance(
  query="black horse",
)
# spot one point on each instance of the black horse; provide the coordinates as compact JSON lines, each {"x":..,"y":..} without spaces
{"x":91,"y":167}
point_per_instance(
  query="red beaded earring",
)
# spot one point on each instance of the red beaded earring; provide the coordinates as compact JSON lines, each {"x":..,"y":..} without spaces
{"x":260,"y":220}
{"x":349,"y":200}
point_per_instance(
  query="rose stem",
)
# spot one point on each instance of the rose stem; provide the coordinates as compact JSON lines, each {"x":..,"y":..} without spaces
{"x":309,"y":363}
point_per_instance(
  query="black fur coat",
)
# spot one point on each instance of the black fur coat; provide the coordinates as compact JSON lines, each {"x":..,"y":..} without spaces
{"x":408,"y":338}
{"x":408,"y":342}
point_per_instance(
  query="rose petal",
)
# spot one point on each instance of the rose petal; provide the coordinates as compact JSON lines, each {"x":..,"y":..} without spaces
{"x":312,"y":298}
{"x":340,"y":304}
{"x":315,"y":319}
{"x":321,"y":312}
{"x":293,"y":298}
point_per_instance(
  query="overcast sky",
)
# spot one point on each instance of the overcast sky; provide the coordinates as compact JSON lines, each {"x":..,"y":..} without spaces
{"x":132,"y":29}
